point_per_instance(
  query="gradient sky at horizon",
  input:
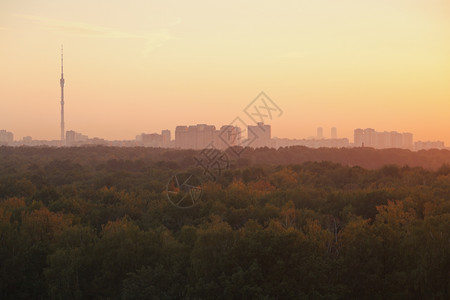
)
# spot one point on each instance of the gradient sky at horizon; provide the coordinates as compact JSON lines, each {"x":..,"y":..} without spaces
{"x":143,"y":66}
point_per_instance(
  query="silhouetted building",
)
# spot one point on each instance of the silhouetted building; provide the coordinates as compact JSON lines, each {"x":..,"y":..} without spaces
{"x":202,"y":136}
{"x":259,"y":134}
{"x":311,"y":143}
{"x":396,"y":140}
{"x":320,"y":133}
{"x":334,"y":133}
{"x":151,"y":139}
{"x":382,"y":140}
{"x":70,"y":137}
{"x":419,"y":145}
{"x":74,"y":138}
{"x":194,"y":136}
{"x":365,"y":138}
{"x":6,"y":137}
{"x":358,"y":138}
{"x":408,"y":141}
{"x":370,"y":137}
{"x":227,"y":136}
{"x":154,"y":139}
{"x":97,"y":141}
{"x":27,"y":140}
{"x":181,"y":137}
{"x":165,"y":138}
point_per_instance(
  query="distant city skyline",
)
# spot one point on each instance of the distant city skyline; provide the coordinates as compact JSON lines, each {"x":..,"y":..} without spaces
{"x":319,"y":134}
{"x":204,"y":136}
{"x":144,"y":66}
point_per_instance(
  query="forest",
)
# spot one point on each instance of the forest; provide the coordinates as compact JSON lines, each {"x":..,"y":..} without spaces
{"x":293,"y":223}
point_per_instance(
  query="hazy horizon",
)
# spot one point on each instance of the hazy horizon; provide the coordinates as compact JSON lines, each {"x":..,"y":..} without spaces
{"x":144,"y":66}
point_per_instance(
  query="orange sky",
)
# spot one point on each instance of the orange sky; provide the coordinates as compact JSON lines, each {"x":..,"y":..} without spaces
{"x":143,"y":66}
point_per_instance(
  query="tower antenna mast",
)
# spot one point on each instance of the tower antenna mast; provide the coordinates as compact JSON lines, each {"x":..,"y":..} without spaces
{"x":61,"y":83}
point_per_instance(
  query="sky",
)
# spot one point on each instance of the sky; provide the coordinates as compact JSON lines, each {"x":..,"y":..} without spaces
{"x":143,"y":66}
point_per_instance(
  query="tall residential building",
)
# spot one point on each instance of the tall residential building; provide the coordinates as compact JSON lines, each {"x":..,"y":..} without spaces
{"x":396,"y":139}
{"x":365,"y":138}
{"x":165,"y":138}
{"x":333,"y":132}
{"x":181,"y":137}
{"x":228,"y":136}
{"x":191,"y":137}
{"x":370,"y":137}
{"x":384,"y":140}
{"x":194,"y":136}
{"x":75,"y":138}
{"x":358,"y":137}
{"x":204,"y":135}
{"x":70,"y":137}
{"x":381,"y":140}
{"x":6,"y":137}
{"x":320,"y":133}
{"x":261,"y":134}
{"x":408,"y":141}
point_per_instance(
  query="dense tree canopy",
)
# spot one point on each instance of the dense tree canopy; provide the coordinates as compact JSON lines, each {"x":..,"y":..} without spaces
{"x":95,"y":223}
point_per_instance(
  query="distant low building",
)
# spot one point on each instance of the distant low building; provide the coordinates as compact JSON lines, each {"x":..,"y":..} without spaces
{"x":96,"y":141}
{"x":151,"y":139}
{"x":74,"y":138}
{"x":154,"y":139}
{"x":419,"y":145}
{"x":27,"y":140}
{"x":310,"y":143}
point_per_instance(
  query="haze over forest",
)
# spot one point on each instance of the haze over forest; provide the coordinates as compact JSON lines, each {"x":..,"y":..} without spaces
{"x":97,"y":223}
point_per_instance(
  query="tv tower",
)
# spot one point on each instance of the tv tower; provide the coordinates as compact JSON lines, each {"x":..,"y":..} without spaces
{"x":61,"y":83}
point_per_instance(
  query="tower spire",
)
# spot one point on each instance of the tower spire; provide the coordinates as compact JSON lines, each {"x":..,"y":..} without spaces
{"x":62,"y":60}
{"x":61,"y":83}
